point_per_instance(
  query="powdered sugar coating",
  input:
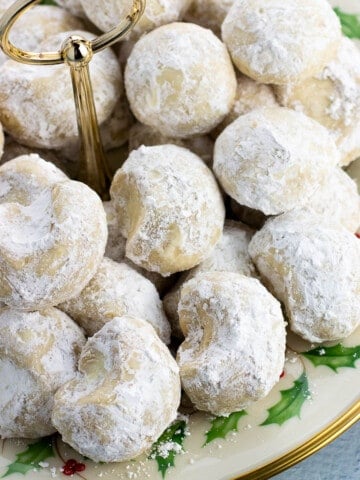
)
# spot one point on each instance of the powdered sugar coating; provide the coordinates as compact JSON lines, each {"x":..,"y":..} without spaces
{"x":53,"y":234}
{"x":180,"y":80}
{"x":279,"y":42}
{"x":114,"y":291}
{"x":106,"y":14}
{"x":42,"y":113}
{"x":169,"y":208}
{"x":25,"y":177}
{"x":116,"y":250}
{"x":38,"y":354}
{"x":274,"y":159}
{"x":74,"y":6}
{"x":126,"y":394}
{"x":234,"y":349}
{"x":337,"y":200}
{"x":332,"y":97}
{"x":230,"y":255}
{"x":208,"y":13}
{"x":313,"y":267}
{"x":201,"y":145}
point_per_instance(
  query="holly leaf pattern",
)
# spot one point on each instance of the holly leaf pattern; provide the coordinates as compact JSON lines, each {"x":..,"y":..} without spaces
{"x":350,"y":23}
{"x":48,"y":2}
{"x":31,"y":457}
{"x":291,"y":402}
{"x":222,"y":426}
{"x":168,"y":446}
{"x":334,"y":357}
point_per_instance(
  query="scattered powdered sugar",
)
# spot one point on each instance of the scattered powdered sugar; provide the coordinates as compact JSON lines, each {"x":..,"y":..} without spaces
{"x":313,"y":266}
{"x":276,"y":42}
{"x":117,"y":290}
{"x":120,"y":365}
{"x":234,"y":347}
{"x":169,"y":208}
{"x":273,"y":159}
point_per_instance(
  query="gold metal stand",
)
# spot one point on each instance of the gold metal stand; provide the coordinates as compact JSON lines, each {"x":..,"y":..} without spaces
{"x":76,"y":52}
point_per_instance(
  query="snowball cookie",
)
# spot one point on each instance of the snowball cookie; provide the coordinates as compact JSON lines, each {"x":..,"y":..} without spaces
{"x":169,"y":208}
{"x":234,"y":348}
{"x":24,"y":178}
{"x":313,"y":266}
{"x":53,"y":234}
{"x":208,"y":13}
{"x":201,"y":145}
{"x":180,"y":80}
{"x":74,"y":6}
{"x":126,"y":395}
{"x":250,"y":95}
{"x":38,"y":354}
{"x":230,"y":255}
{"x":278,"y":42}
{"x":116,"y":129}
{"x":338,"y":200}
{"x":13,"y":149}
{"x":273,"y":159}
{"x":114,"y":291}
{"x":116,"y":250}
{"x":106,"y":14}
{"x":332,"y":97}
{"x":42,"y":112}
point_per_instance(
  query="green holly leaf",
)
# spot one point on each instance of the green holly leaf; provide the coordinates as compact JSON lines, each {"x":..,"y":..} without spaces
{"x":334,"y":357}
{"x":31,"y":457}
{"x":291,"y":402}
{"x":350,"y":23}
{"x":168,"y":446}
{"x":222,"y":426}
{"x":48,"y":2}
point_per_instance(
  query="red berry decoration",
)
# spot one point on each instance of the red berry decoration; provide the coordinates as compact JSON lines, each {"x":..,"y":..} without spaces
{"x":72,"y":466}
{"x":358,"y":235}
{"x":283,"y":374}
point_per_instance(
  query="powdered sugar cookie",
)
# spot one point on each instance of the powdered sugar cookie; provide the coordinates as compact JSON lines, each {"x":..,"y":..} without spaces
{"x":53,"y":234}
{"x":179,"y":80}
{"x":114,"y":291}
{"x":332,"y":97}
{"x":337,"y":200}
{"x":115,"y":130}
{"x":279,"y":42}
{"x":74,"y":6}
{"x":201,"y":145}
{"x":42,"y":113}
{"x":234,"y":349}
{"x":274,"y":159}
{"x":106,"y":14}
{"x":126,"y":394}
{"x":169,"y":208}
{"x":313,"y":266}
{"x":38,"y":354}
{"x":230,"y":255}
{"x":208,"y":13}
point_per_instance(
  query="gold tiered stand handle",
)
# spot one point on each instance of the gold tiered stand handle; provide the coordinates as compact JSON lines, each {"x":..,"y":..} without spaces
{"x":76,"y":52}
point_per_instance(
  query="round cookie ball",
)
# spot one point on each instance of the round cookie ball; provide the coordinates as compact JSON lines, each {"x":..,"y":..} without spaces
{"x":24,"y":178}
{"x":38,"y":354}
{"x":180,"y":80}
{"x":230,"y":255}
{"x":126,"y":395}
{"x":234,"y":348}
{"x":42,"y":112}
{"x":208,"y":13}
{"x":74,"y":6}
{"x":106,"y":14}
{"x":201,"y":145}
{"x":53,"y":235}
{"x":332,"y":97}
{"x":274,"y":159}
{"x":169,"y":208}
{"x":313,"y":267}
{"x":115,"y":130}
{"x":280,"y":42}
{"x":337,"y":200}
{"x":114,"y":291}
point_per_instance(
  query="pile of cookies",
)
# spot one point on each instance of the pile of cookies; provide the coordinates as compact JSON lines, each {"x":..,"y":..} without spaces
{"x":230,"y":216}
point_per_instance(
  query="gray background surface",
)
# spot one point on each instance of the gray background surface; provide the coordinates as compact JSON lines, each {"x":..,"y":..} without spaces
{"x":338,"y":461}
